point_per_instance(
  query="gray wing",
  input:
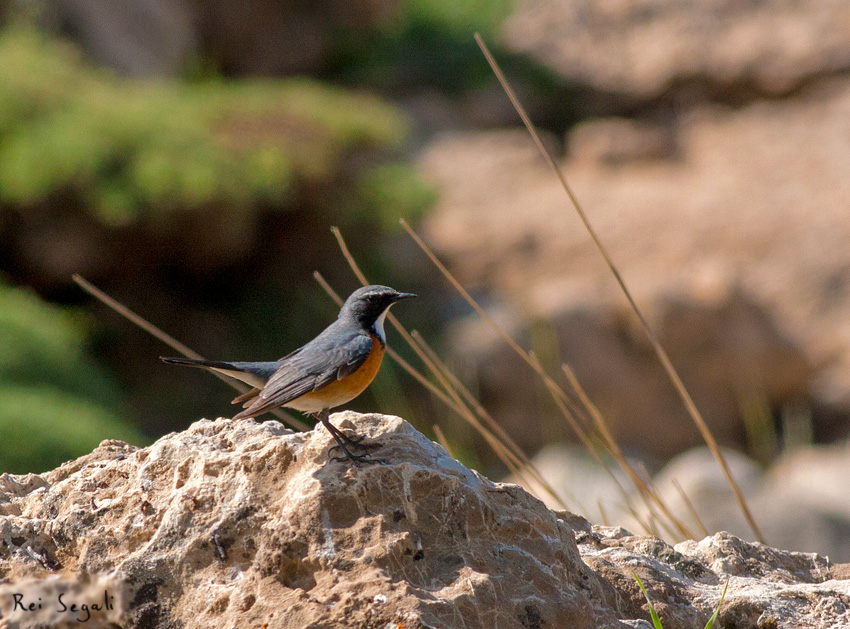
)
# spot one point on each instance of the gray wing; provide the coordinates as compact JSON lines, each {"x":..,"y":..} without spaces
{"x":309,"y":370}
{"x":247,"y":398}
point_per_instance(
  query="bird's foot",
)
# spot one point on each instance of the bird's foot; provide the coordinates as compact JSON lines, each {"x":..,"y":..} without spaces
{"x":343,"y":442}
{"x":357,"y":442}
{"x":352,"y":441}
{"x":370,"y":445}
{"x":357,"y":459}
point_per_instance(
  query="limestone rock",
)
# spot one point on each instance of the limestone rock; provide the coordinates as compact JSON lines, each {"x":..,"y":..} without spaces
{"x":247,"y":524}
{"x":644,"y":47}
{"x":615,"y":141}
{"x":768,"y":588}
{"x":240,"y":524}
{"x":728,"y":349}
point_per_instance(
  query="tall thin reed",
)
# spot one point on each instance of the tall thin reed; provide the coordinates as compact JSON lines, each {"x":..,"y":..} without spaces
{"x":696,"y":416}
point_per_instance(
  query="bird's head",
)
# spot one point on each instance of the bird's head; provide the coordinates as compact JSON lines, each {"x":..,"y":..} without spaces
{"x":368,"y":306}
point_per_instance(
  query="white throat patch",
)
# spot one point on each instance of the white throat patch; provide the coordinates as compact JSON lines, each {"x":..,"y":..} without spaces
{"x":379,"y":325}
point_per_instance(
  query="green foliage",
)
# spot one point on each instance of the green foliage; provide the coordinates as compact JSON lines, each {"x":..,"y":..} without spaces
{"x":392,"y":191}
{"x":55,"y":402}
{"x":716,"y":613}
{"x":42,"y":427}
{"x":41,"y":343}
{"x":426,"y":44}
{"x":656,"y":621}
{"x":462,"y":16}
{"x":130,"y":149}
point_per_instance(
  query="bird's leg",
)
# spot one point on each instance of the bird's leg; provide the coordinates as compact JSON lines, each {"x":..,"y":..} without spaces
{"x":351,"y":442}
{"x":340,"y":439}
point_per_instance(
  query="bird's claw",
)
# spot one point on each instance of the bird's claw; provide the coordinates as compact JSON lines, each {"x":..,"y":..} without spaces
{"x":372,"y":445}
{"x":353,"y":441}
{"x":357,"y":459}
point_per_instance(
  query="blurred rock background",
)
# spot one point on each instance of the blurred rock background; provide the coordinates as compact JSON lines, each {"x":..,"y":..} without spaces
{"x":189,"y":157}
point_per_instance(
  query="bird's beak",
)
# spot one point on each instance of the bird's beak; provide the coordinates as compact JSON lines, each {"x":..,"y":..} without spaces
{"x":401,"y":296}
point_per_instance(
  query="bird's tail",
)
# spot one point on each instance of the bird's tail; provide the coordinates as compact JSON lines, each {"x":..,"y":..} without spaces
{"x":191,"y":362}
{"x":254,"y":374}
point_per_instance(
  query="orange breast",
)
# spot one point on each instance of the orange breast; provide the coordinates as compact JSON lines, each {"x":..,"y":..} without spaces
{"x":344,"y":390}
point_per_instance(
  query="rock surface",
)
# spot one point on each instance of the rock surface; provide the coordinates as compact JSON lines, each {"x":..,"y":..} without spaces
{"x":809,"y":482}
{"x":250,"y":525}
{"x":644,"y":47}
{"x":730,"y":353}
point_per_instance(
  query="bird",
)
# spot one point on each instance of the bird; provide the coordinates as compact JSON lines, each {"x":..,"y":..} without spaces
{"x":331,"y":370}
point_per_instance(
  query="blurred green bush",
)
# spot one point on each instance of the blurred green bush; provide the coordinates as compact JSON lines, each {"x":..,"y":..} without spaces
{"x":426,"y":46}
{"x":131,"y":149}
{"x":56,"y":403}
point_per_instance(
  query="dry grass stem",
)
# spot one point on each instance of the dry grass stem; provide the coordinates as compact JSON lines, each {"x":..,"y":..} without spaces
{"x":525,"y":464}
{"x":469,"y":299}
{"x":441,"y":439}
{"x":603,"y":516}
{"x":602,"y":426}
{"x":690,"y":506}
{"x":587,"y":442}
{"x":146,"y":325}
{"x":564,"y":403}
{"x":659,"y":350}
{"x":327,"y":288}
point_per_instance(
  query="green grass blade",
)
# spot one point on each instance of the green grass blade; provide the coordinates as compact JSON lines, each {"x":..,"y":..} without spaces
{"x":656,"y":621}
{"x":716,"y":613}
